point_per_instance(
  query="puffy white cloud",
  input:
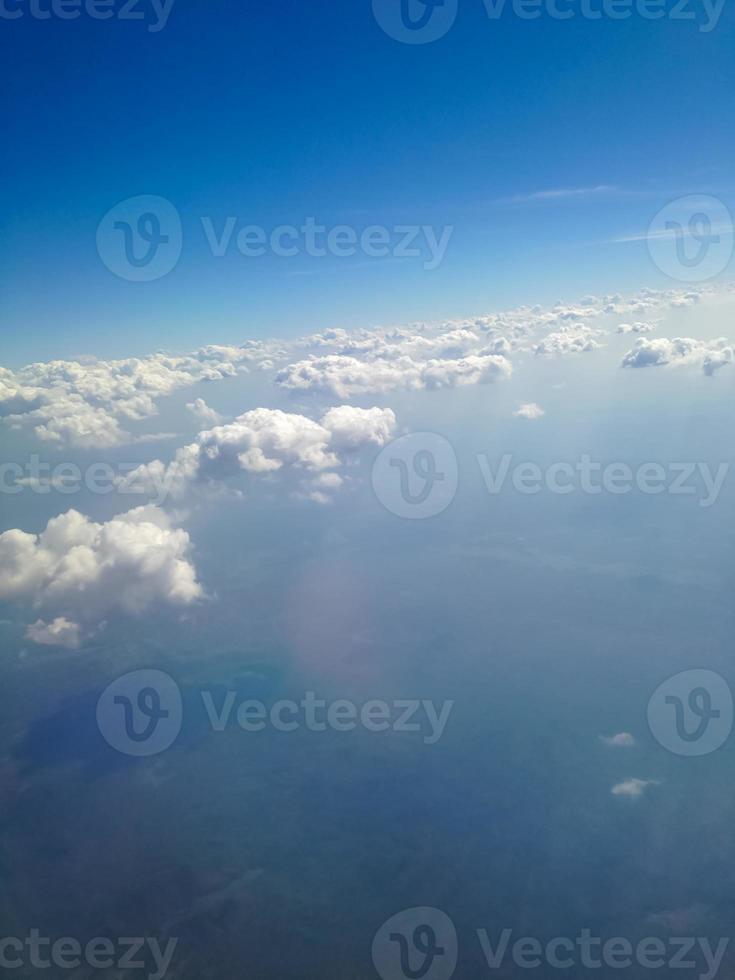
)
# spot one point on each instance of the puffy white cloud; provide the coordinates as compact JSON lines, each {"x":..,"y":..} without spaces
{"x":266,"y":441}
{"x":92,"y":403}
{"x":16,"y":399}
{"x":633,"y":788}
{"x":680,"y":351}
{"x":203,"y":413}
{"x":572,"y":339}
{"x":346,"y":376}
{"x":352,"y":428}
{"x":61,"y":632}
{"x":623,"y":740}
{"x":87,"y":403}
{"x":76,"y":566}
{"x":530,"y":411}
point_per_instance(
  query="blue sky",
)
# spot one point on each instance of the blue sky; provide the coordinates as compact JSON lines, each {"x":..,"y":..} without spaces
{"x":325,"y":512}
{"x":273,"y":114}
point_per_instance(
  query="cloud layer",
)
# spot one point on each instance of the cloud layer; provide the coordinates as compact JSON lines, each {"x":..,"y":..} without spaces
{"x":96,"y":403}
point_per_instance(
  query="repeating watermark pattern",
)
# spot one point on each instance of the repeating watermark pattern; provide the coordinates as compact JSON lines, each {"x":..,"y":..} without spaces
{"x":101,"y":953}
{"x":691,"y":714}
{"x":154,"y":13}
{"x":141,"y":714}
{"x":691,"y":238}
{"x":141,"y":240}
{"x":416,"y":476}
{"x":421,"y":944}
{"x":424,"y":21}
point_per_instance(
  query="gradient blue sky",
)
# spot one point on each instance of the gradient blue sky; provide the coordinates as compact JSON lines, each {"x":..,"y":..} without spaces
{"x":276,"y":112}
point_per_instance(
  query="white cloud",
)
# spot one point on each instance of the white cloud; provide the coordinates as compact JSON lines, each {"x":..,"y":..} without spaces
{"x":559,"y":194}
{"x":87,"y":403}
{"x":76,"y":566}
{"x":92,"y":403}
{"x":633,"y":788}
{"x":352,"y":428}
{"x":61,"y":632}
{"x":203,"y":413}
{"x":668,"y":233}
{"x":530,"y":411}
{"x":267,"y":441}
{"x":680,"y":351}
{"x":623,"y":740}
{"x":573,"y":339}
{"x":345,"y":376}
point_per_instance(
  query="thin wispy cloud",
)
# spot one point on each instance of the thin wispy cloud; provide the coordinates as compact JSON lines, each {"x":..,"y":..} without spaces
{"x":559,"y":194}
{"x":665,"y":234}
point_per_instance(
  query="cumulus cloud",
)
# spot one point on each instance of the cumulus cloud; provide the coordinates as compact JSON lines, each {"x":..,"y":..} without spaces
{"x":61,"y":632}
{"x":633,"y":788}
{"x":267,"y":441}
{"x":352,"y":428}
{"x":530,"y":411}
{"x":203,"y":413}
{"x":623,"y":740}
{"x":87,"y":404}
{"x":573,"y":339}
{"x":345,"y":376}
{"x":680,"y":351}
{"x":78,"y":567}
{"x":91,"y":403}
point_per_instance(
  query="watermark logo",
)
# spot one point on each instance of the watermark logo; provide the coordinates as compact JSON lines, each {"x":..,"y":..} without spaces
{"x":691,"y":714}
{"x":418,"y":944}
{"x":415,"y":21}
{"x":416,"y":476}
{"x":140,"y":239}
{"x":141,"y":713}
{"x":691,"y":239}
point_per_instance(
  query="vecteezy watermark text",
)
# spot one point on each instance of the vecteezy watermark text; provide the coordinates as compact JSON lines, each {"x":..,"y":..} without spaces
{"x":705,"y":13}
{"x":339,"y":241}
{"x":141,"y":239}
{"x":594,"y":952}
{"x":417,"y":476}
{"x":424,"y":21}
{"x":594,"y":477}
{"x":66,"y":953}
{"x":317,"y":715}
{"x":38,"y":476}
{"x":422,"y":942}
{"x":142,"y":714}
{"x":121,"y":10}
